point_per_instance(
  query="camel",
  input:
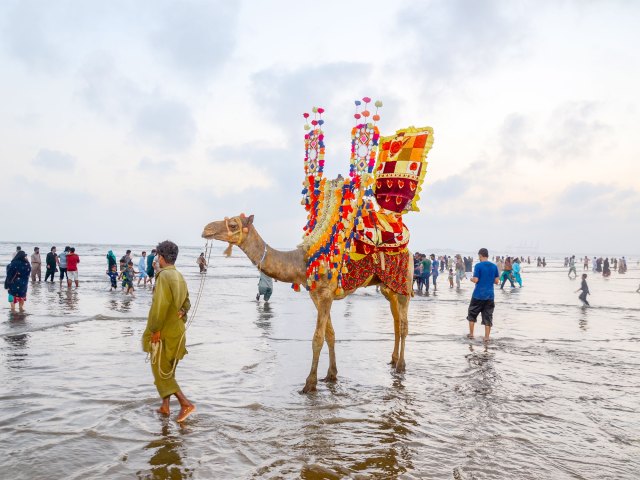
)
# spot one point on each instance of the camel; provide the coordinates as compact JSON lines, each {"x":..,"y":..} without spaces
{"x":291,"y":266}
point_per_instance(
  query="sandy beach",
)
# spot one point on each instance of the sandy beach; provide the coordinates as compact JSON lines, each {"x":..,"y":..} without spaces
{"x":553,"y":395}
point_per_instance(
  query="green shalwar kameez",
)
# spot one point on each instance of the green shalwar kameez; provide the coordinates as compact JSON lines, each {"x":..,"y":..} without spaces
{"x":169,"y":297}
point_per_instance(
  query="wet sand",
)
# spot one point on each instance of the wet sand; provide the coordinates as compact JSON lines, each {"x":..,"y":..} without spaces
{"x":555,"y":394}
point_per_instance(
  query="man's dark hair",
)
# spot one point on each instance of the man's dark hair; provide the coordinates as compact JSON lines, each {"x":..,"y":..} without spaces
{"x":18,"y":248}
{"x":483,"y":252}
{"x":72,"y":249}
{"x":128,"y":252}
{"x":130,"y":263}
{"x":144,"y":252}
{"x":584,"y":275}
{"x":53,"y":248}
{"x":67,"y":249}
{"x":35,"y":249}
{"x":153,"y":251}
{"x":169,"y":251}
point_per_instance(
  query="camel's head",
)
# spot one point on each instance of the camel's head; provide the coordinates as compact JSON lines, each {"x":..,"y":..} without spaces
{"x":232,"y":230}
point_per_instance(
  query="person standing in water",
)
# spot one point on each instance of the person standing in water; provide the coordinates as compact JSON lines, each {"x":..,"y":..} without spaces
{"x":165,"y":336}
{"x":62,"y":264}
{"x":202,"y":263}
{"x":17,"y":281}
{"x":507,"y":273}
{"x":435,"y":266}
{"x":72,"y":267}
{"x":572,"y":266}
{"x":142,"y":268}
{"x":36,"y":265}
{"x":585,"y":291}
{"x":51,"y":260}
{"x":265,"y":287}
{"x":485,"y":276}
{"x":517,"y":268}
{"x":150,"y":271}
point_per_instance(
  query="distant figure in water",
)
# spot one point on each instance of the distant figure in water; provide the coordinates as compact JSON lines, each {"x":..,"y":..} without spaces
{"x":165,"y":336}
{"x":585,"y":291}
{"x":113,"y":276}
{"x":572,"y":266}
{"x":127,"y":278}
{"x":202,"y":263}
{"x":451,"y":278}
{"x":17,"y":281}
{"x":265,"y":287}
{"x":36,"y":265}
{"x":544,"y":261}
{"x":507,"y":273}
{"x":586,"y":263}
{"x":485,"y":276}
{"x":606,"y":270}
{"x":517,"y":268}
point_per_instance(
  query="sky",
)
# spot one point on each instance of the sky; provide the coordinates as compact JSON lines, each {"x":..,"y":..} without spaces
{"x":132,"y":122}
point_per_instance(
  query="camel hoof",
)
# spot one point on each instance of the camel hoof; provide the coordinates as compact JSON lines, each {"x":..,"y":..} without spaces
{"x":400,"y":367}
{"x":330,"y":378}
{"x":393,"y":362}
{"x":308,"y":388}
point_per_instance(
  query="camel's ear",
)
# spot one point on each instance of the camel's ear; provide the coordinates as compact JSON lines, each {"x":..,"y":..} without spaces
{"x":246,"y":221}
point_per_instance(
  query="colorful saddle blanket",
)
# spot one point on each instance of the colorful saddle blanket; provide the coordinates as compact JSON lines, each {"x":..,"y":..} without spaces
{"x":381,"y":231}
{"x":392,"y":272}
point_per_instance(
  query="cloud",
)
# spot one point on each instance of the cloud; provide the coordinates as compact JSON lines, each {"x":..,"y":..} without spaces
{"x":458,"y":38}
{"x":54,"y":160}
{"x":572,"y":131}
{"x":26,"y":30}
{"x":582,"y":193}
{"x":166,"y":124}
{"x":286,"y":94}
{"x":163,"y":166}
{"x":196,"y":37}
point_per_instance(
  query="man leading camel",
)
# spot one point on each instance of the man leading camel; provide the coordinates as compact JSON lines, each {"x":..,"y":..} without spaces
{"x":164,"y":338}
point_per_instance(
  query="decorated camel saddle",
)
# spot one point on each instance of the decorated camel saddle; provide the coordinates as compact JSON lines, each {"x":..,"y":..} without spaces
{"x":354,"y":228}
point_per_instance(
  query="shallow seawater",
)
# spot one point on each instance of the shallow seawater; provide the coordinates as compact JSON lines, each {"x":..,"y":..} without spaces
{"x":555,"y":394}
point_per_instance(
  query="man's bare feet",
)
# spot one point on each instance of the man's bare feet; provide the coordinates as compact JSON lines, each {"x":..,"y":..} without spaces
{"x":486,"y":339}
{"x":164,"y":411}
{"x":185,"y":411}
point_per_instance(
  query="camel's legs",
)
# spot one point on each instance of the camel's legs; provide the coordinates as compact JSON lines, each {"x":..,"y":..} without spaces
{"x":332,"y":373}
{"x":403,"y":310}
{"x":323,"y":304}
{"x":392,"y":297}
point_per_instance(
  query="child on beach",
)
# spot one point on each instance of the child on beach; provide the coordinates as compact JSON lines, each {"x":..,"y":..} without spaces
{"x":127,"y":278}
{"x":585,"y":291}
{"x":113,"y":276}
{"x":451,"y":278}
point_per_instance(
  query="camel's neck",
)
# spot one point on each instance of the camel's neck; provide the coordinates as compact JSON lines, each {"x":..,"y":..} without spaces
{"x":282,"y":266}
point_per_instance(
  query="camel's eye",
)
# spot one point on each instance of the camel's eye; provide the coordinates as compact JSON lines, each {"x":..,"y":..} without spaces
{"x":233,"y":226}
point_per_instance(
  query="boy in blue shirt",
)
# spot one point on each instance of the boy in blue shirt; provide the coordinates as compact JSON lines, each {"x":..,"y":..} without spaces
{"x":485,"y":276}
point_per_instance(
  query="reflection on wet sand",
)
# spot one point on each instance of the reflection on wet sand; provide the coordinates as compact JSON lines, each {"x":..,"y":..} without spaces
{"x":17,"y":353}
{"x":166,"y":462}
{"x":347,"y":446}
{"x":265,"y":314}
{"x":68,"y":299}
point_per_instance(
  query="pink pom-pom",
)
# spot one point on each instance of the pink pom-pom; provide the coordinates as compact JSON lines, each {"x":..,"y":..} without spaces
{"x":314,"y":122}
{"x":357,"y":116}
{"x":320,"y":110}
{"x":366,"y":99}
{"x":305,"y":115}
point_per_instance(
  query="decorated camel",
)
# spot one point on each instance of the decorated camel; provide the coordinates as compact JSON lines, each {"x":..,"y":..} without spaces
{"x":354,"y":236}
